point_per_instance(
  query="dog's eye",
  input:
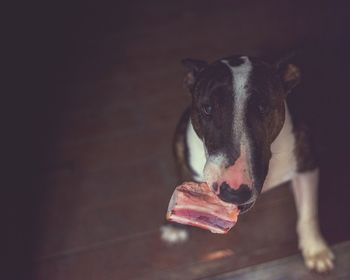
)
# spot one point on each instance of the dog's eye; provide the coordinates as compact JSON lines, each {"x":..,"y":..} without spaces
{"x":259,"y":103}
{"x":207,"y":109}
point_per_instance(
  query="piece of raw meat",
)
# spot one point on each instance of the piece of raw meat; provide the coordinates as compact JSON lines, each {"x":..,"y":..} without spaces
{"x":196,"y":205}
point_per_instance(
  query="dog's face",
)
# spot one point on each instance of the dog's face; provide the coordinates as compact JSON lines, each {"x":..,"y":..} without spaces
{"x":238,"y":110}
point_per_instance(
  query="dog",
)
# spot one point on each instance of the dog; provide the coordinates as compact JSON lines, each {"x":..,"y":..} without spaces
{"x":240,"y":137}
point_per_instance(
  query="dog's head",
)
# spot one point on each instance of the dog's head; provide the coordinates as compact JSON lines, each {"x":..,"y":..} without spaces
{"x":237,"y":111}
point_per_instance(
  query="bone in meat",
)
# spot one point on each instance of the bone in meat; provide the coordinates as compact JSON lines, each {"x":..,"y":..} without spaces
{"x":196,"y":205}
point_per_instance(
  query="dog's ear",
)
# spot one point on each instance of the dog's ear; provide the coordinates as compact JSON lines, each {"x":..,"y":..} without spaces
{"x":290,"y":77}
{"x":288,"y":72}
{"x":194,"y":67}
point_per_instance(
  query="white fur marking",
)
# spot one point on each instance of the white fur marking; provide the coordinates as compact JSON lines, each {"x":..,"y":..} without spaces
{"x":173,"y":235}
{"x":240,"y":77}
{"x":282,"y":165}
{"x":213,"y":168}
{"x":196,"y":152}
{"x":316,"y":253}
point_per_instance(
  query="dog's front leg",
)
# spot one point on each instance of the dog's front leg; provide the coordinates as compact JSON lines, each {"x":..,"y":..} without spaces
{"x":317,"y":255}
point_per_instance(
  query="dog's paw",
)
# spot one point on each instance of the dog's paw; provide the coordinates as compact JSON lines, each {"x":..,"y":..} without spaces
{"x":317,"y":255}
{"x":172,"y":234}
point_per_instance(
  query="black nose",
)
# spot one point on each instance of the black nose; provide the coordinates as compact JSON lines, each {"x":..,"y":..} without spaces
{"x":239,"y":196}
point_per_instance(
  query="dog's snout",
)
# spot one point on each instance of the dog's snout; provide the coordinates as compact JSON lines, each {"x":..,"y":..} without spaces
{"x":236,"y":196}
{"x":245,"y":207}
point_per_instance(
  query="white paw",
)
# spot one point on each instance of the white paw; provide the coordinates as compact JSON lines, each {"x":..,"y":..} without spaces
{"x":172,"y":234}
{"x":317,"y":255}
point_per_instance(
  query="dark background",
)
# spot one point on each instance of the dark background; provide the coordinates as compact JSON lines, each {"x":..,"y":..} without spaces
{"x":95,"y":98}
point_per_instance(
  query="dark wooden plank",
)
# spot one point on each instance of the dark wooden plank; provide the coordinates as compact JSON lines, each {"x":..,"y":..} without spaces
{"x":93,"y":208}
{"x":293,"y":267}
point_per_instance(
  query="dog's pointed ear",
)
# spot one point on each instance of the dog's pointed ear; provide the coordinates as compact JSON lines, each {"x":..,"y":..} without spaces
{"x":194,"y":67}
{"x":290,"y":77}
{"x":288,"y":72}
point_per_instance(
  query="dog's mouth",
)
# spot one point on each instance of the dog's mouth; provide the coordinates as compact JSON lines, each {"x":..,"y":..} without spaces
{"x":245,"y":207}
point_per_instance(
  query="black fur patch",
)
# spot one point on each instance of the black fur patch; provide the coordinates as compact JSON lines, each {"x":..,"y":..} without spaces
{"x":235,"y":61}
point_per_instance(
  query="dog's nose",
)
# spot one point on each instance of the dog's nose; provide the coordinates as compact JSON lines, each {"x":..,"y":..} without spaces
{"x":236,"y":196}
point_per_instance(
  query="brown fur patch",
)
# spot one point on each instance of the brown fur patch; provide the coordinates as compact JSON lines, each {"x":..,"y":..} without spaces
{"x":305,"y":156}
{"x":291,"y":77}
{"x":292,"y":73}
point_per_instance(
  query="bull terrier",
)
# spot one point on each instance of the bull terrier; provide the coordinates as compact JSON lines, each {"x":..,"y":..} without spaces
{"x":239,"y":136}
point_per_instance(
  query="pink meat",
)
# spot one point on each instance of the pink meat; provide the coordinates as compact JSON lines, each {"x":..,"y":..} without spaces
{"x":196,"y":205}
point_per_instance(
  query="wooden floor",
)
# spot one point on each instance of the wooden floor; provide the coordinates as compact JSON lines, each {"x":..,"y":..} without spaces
{"x":292,"y":268}
{"x":98,"y":145}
